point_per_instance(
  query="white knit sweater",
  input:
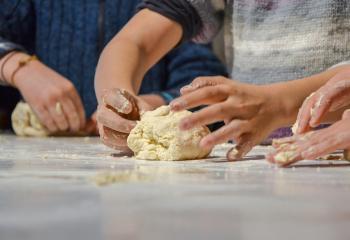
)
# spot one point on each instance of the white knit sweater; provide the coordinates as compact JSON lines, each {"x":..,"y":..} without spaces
{"x":269,"y":41}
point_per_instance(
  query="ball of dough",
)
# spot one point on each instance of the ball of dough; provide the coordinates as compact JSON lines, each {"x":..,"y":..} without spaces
{"x":158,"y":137}
{"x":26,"y":123}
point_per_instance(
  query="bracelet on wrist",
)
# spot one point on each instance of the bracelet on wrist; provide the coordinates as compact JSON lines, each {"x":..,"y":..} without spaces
{"x":22,"y":63}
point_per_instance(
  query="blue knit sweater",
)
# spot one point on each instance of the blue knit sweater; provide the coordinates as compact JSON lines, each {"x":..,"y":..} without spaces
{"x":68,"y":36}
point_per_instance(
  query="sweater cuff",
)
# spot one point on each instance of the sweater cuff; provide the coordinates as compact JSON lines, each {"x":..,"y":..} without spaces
{"x":7,"y":47}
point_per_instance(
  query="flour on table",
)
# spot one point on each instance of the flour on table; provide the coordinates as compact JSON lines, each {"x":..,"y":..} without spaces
{"x":26,"y":123}
{"x":158,"y":137}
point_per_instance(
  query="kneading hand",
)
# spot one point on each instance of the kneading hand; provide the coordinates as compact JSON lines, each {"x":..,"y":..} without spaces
{"x":334,"y":95}
{"x":249,"y":112}
{"x":117,"y":115}
{"x":312,"y":144}
{"x":53,"y":98}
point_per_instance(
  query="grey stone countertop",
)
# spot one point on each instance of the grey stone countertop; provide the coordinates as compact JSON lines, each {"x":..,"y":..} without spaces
{"x":76,"y":188}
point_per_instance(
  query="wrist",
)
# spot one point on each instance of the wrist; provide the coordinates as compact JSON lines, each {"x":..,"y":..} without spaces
{"x":5,"y":65}
{"x":12,"y":66}
{"x":31,"y":69}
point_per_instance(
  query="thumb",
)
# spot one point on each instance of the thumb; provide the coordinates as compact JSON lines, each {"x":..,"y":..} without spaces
{"x":123,"y":103}
{"x":119,"y":100}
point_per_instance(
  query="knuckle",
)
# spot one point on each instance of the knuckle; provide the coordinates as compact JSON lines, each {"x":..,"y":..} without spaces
{"x":197,"y":80}
{"x":51,"y":98}
{"x":69,"y":87}
{"x":221,"y":109}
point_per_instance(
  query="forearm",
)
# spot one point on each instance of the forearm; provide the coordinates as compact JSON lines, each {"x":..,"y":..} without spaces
{"x":292,"y":94}
{"x":120,"y":66}
{"x":134,"y":50}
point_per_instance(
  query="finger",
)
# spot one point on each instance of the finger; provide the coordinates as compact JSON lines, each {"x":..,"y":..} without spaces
{"x":202,"y":96}
{"x":286,"y":155}
{"x":276,"y":143}
{"x":342,"y":96}
{"x":242,"y":148}
{"x":325,"y":142}
{"x":320,"y":108}
{"x":119,"y":100}
{"x":222,"y":135}
{"x":202,"y":82}
{"x":207,"y":115}
{"x":71,"y":114}
{"x":58,"y":116}
{"x":112,"y":120}
{"x":346,"y":114}
{"x":114,"y":139}
{"x":78,"y":105}
{"x":320,"y":149}
{"x":302,"y":123}
{"x":340,"y":102}
{"x":333,"y":98}
{"x":46,"y":119}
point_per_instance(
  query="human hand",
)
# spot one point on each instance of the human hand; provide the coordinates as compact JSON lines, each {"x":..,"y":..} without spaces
{"x":117,"y":115}
{"x":250,"y":112}
{"x":312,"y":144}
{"x":53,"y":98}
{"x":333,"y":96}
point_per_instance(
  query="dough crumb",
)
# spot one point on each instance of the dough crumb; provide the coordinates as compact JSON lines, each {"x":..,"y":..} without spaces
{"x":158,"y":137}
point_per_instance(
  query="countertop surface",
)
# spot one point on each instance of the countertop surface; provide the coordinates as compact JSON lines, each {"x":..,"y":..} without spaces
{"x":76,"y":188}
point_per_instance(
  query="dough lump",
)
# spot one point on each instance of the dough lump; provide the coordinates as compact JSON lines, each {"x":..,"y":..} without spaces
{"x":26,"y":123}
{"x":157,"y":137}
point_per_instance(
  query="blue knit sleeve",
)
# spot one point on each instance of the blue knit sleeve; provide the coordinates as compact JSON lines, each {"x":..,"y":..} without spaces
{"x":187,"y":63}
{"x":16,"y":26}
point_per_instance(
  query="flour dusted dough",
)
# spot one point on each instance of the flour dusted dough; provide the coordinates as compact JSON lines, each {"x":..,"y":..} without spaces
{"x":26,"y":123}
{"x":157,"y":137}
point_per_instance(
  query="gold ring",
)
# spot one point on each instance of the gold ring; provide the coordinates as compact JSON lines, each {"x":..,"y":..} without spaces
{"x":58,"y":108}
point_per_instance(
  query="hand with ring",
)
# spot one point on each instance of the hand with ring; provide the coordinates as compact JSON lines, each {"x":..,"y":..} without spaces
{"x":53,"y":98}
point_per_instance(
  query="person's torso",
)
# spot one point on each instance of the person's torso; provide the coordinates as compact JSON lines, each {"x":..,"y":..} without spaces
{"x":278,"y":40}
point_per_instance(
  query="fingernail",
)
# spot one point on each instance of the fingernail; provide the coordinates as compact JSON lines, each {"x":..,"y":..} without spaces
{"x":125,"y":107}
{"x":187,"y":87}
